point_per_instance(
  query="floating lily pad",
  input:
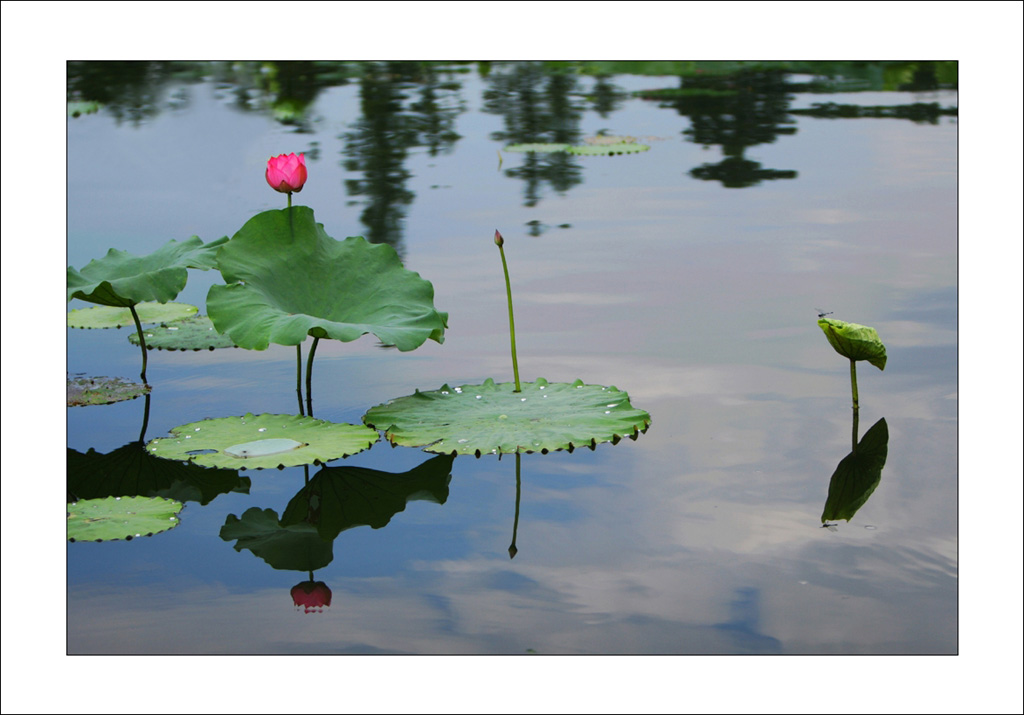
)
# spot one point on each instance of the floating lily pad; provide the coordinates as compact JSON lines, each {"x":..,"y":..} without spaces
{"x":607,"y":139}
{"x":106,"y":316}
{"x":494,"y":419}
{"x":207,"y":442}
{"x":195,"y":333}
{"x":288,"y":279}
{"x":543,"y":148}
{"x":608,"y":149}
{"x":102,"y":390}
{"x":122,"y":279}
{"x":857,"y":342}
{"x":116,"y":518}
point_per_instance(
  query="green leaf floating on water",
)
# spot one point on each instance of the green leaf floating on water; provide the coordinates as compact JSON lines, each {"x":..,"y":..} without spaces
{"x":540,"y":148}
{"x":288,"y":279}
{"x":121,"y":279}
{"x":116,"y":518}
{"x":194,"y":333}
{"x":102,"y":390}
{"x":262,"y":441}
{"x":106,"y":316}
{"x":608,"y":149}
{"x":857,"y":342}
{"x":494,"y":419}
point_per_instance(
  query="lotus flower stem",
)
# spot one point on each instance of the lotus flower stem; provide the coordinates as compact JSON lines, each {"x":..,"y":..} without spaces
{"x":298,"y":376}
{"x":309,"y":377}
{"x":142,"y":341}
{"x":511,"y":319}
{"x":853,"y":384}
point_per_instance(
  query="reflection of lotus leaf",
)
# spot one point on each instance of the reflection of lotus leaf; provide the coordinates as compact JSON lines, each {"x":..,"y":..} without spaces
{"x":857,"y":475}
{"x":608,"y":149}
{"x":857,"y":342}
{"x":322,"y":441}
{"x":121,"y":279}
{"x":102,"y":390}
{"x":493,"y":418}
{"x":106,"y":316}
{"x":294,"y":548}
{"x":116,"y":518}
{"x":195,"y":333}
{"x":288,"y":279}
{"x":130,"y":471}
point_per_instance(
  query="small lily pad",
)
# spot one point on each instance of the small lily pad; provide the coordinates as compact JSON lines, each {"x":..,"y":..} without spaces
{"x":102,"y":390}
{"x":320,"y":441}
{"x":115,"y":518}
{"x":608,"y":149}
{"x":494,"y":419}
{"x":194,"y":333}
{"x":543,"y":148}
{"x":107,"y":316}
{"x":607,"y":139}
{"x":857,"y":342}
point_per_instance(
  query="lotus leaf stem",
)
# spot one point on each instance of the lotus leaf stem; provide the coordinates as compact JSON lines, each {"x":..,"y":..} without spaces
{"x":309,"y":377}
{"x":298,"y":376}
{"x":511,"y":318}
{"x":853,"y":384}
{"x":142,"y":341}
{"x":512,"y":550}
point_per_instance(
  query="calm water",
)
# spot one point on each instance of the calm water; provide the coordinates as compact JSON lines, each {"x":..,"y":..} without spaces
{"x":689,"y":275}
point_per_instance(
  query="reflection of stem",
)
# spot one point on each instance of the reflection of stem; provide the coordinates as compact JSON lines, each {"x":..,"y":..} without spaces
{"x":856,"y":420}
{"x":512,"y":550}
{"x":511,"y":319}
{"x":309,"y":377}
{"x":298,"y":376}
{"x":145,"y":420}
{"x":142,"y":340}
{"x":853,"y":383}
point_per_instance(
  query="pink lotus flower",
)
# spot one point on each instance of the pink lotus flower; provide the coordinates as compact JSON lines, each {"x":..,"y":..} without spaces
{"x":286,"y":173}
{"x":311,"y":596}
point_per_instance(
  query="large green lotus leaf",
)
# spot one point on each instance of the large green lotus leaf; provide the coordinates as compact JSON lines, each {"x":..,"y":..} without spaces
{"x":340,"y":498}
{"x":102,"y":390}
{"x":291,"y":548}
{"x":195,"y":333}
{"x":121,"y":279}
{"x":608,"y":149}
{"x":288,"y":279}
{"x":538,"y":148}
{"x":857,"y":475}
{"x":106,"y":316}
{"x":494,"y":419}
{"x":262,"y":441}
{"x":131,"y":471}
{"x":857,"y":342}
{"x":116,"y":518}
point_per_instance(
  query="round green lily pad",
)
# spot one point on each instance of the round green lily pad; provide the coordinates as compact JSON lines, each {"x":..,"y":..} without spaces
{"x":494,"y":419}
{"x":262,"y":441}
{"x":108,"y":316}
{"x":194,"y":333}
{"x":538,"y":147}
{"x":113,"y":518}
{"x":608,"y":149}
{"x":102,"y":390}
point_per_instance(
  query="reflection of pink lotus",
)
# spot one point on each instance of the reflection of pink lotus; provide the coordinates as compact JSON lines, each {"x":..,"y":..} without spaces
{"x":312,"y":596}
{"x":286,"y":173}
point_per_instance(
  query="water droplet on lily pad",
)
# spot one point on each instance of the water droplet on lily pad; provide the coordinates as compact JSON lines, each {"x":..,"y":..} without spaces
{"x":262,"y":447}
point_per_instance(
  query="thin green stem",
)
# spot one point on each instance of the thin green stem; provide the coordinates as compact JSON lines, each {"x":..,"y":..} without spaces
{"x":298,"y":376}
{"x":309,"y":377}
{"x":145,"y":420}
{"x":511,"y":318}
{"x":142,"y":341}
{"x":853,"y":383}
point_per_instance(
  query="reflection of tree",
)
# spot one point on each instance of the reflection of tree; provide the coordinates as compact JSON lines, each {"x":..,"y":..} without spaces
{"x":736,"y":112}
{"x":380,"y":141}
{"x":537,"y":108}
{"x":129,"y":91}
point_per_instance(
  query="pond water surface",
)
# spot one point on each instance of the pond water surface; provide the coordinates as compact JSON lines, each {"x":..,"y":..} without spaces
{"x":690,"y":275}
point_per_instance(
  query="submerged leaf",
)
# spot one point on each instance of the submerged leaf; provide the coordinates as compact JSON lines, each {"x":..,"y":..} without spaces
{"x":494,"y":419}
{"x":857,"y":342}
{"x":288,"y":279}
{"x":102,"y":390}
{"x":121,"y":279}
{"x":207,"y":443}
{"x":195,"y":333}
{"x":106,"y":316}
